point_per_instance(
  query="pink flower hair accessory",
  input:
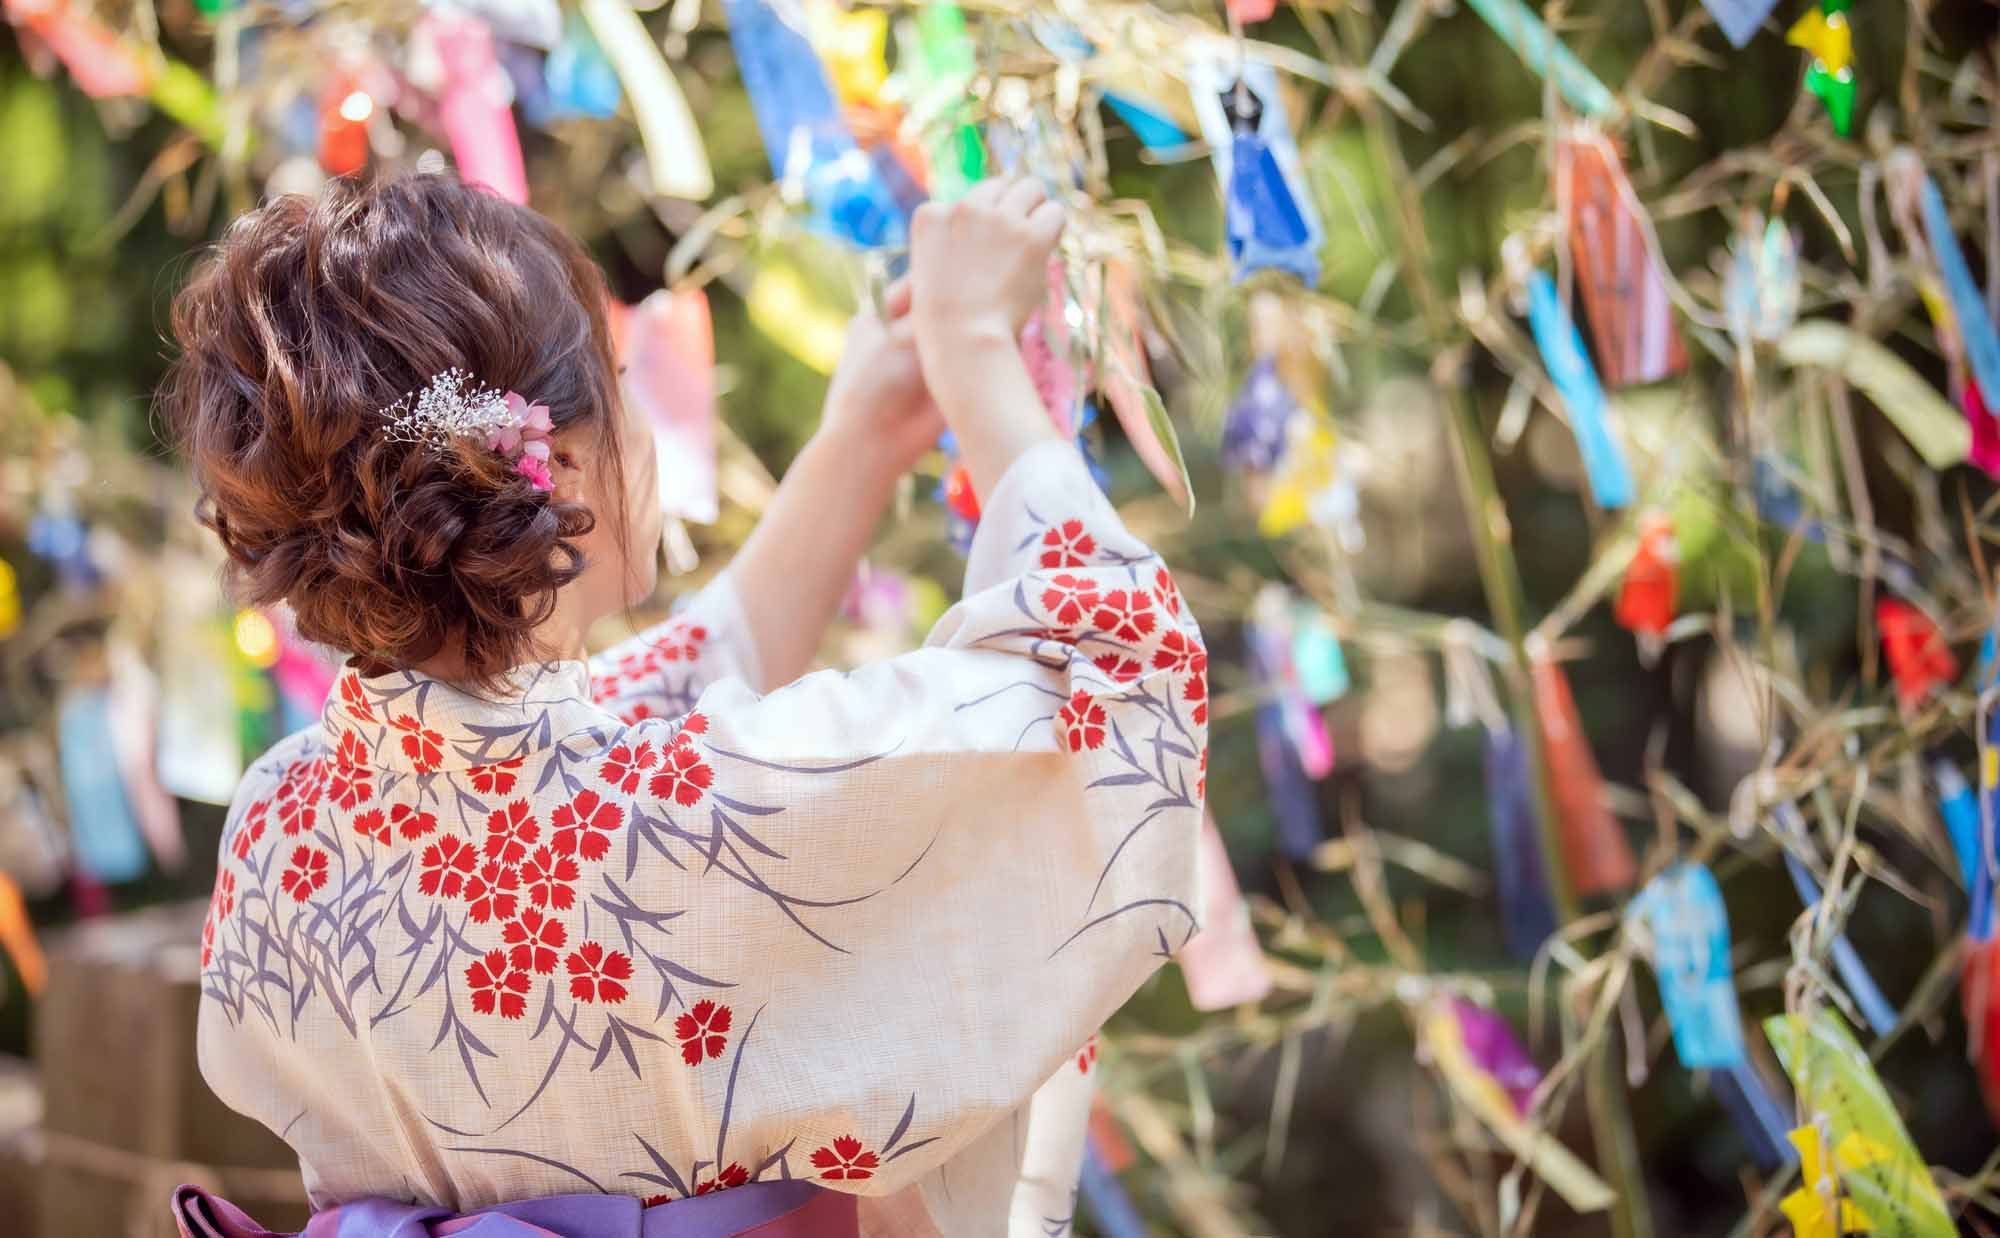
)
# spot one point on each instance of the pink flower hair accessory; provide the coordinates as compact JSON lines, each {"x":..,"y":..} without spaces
{"x":453,"y":406}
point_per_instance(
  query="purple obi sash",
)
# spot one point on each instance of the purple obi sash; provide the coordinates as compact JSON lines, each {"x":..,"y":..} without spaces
{"x":785,"y":1209}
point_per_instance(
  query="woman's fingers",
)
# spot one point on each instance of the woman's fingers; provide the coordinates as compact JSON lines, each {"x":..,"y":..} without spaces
{"x":896,"y":299}
{"x":1022,"y":197}
{"x":1045,"y":224}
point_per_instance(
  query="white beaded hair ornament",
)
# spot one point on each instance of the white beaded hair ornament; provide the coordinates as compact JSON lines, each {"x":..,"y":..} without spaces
{"x":453,"y":406}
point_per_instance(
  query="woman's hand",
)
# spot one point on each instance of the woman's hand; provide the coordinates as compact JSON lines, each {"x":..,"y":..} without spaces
{"x":978,"y":269}
{"x":877,"y":405}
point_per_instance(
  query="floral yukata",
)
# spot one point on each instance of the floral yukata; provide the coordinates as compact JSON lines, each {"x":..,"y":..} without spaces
{"x":633,"y":928}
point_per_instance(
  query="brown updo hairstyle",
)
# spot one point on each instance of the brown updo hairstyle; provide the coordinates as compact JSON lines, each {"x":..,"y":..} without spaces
{"x":315,"y":314}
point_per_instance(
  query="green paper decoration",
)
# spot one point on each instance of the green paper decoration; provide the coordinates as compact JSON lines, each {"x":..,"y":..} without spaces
{"x":1836,"y":90}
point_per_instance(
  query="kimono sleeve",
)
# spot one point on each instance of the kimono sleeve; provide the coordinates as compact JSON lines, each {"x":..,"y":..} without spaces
{"x":659,"y":672}
{"x":946,"y":870}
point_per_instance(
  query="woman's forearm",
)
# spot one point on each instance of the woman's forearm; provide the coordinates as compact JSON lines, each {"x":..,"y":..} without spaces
{"x":800,"y":560}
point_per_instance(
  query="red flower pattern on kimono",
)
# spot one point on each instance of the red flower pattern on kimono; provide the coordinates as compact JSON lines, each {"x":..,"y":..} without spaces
{"x":306,"y":874}
{"x":411,"y":823}
{"x":1068,"y":544}
{"x":703,"y":1032}
{"x":372,"y":824}
{"x":1127,"y":615}
{"x":348,"y":782}
{"x":625,"y":765}
{"x":445,"y":865}
{"x":1196,"y":692}
{"x":550,"y":879}
{"x":597,"y":974}
{"x":536,"y":940}
{"x":1086,"y":1057}
{"x":223,"y":897}
{"x":584,"y":825}
{"x":490,"y":892}
{"x":732,"y":1175}
{"x":1177,"y":653}
{"x":1167,"y":593}
{"x":354,"y":699}
{"x":846,"y":1161}
{"x":684,"y":777}
{"x":1080,"y":723}
{"x":298,"y":796}
{"x":1121,"y":668}
{"x":1068,"y":599}
{"x":250,"y":829}
{"x":423,"y":746}
{"x":496,"y":985}
{"x":497,"y":778}
{"x":510,"y":831}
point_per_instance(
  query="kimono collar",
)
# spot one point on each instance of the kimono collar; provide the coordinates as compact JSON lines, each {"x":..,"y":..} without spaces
{"x":409,"y":721}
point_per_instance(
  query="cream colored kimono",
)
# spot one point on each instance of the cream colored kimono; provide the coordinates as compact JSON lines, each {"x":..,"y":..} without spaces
{"x":635,"y":928}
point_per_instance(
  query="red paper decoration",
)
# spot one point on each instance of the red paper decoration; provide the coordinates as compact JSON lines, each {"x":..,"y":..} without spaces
{"x":1624,"y":290}
{"x":1918,"y":656}
{"x":1646,"y":601}
{"x":1596,"y":854}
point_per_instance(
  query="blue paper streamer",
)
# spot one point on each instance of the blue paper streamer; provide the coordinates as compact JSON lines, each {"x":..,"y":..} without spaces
{"x":1986,"y":849}
{"x":1960,"y":810}
{"x":103,"y":827}
{"x":526,"y":69}
{"x":800,"y":121}
{"x":1690,"y":926}
{"x":1968,"y":305}
{"x":1317,"y":657}
{"x":1757,"y":1115}
{"x":1527,"y":916}
{"x":1561,"y":346}
{"x":1109,"y":1204}
{"x":1294,"y":798}
{"x":581,"y":80}
{"x":1861,"y":986}
{"x":1739,"y":21}
{"x":1153,"y":129}
{"x":1254,"y":431}
{"x":1266,"y":225}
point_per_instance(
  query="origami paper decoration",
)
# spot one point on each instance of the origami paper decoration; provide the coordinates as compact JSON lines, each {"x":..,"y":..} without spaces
{"x":344,"y":111}
{"x":1739,"y":19}
{"x":1825,"y":33}
{"x":1492,"y":1047}
{"x":1960,"y":810}
{"x":1760,"y":290}
{"x":807,"y":139}
{"x":667,"y":346}
{"x":1569,"y":368}
{"x":1646,"y":599}
{"x":1918,"y":657}
{"x":1623,"y":287}
{"x":1255,"y":429}
{"x":1268,"y":214}
{"x":1877,"y":1165}
{"x":1596,"y":854}
{"x":1683,"y":912}
{"x":1527,"y":916}
{"x":475,"y":102}
{"x":581,"y":79}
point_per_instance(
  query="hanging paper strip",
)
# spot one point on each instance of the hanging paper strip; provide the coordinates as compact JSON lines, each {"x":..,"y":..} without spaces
{"x":1527,"y":917}
{"x":344,"y":110}
{"x":1254,"y":431}
{"x":675,"y":156}
{"x":1223,"y":964}
{"x":1125,"y":377}
{"x":1646,"y":598}
{"x":805,"y":136}
{"x":1739,"y":19}
{"x":103,"y":65}
{"x":1248,"y":11}
{"x":1561,"y":347}
{"x":17,"y":938}
{"x":1986,"y":866}
{"x":1937,"y":432}
{"x":667,"y":348}
{"x":1969,"y":310}
{"x":1491,"y":1045}
{"x":1293,"y":798}
{"x":1683,"y":910}
{"x":1960,"y":810}
{"x":1623,"y":287}
{"x":1756,"y":1114}
{"x":1442,"y":1035}
{"x":1760,"y":287}
{"x":1878,"y":1166}
{"x":1154,"y":129}
{"x":1979,"y":998}
{"x":103,"y":831}
{"x":1109,"y":1205}
{"x":581,"y":79}
{"x":1779,"y":502}
{"x":474,"y":103}
{"x":1309,"y":469}
{"x":936,"y":58}
{"x":1271,"y":634}
{"x":1525,"y":33}
{"x":1826,"y":34}
{"x":1268,"y":213}
{"x":1918,"y":657}
{"x":1317,"y":661}
{"x":1596,"y":855}
{"x":1861,"y":986}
